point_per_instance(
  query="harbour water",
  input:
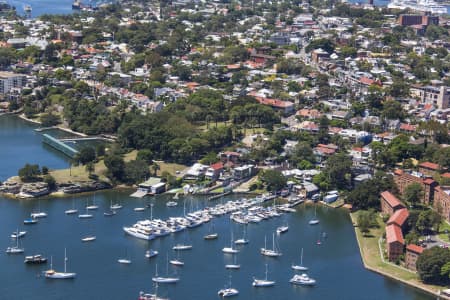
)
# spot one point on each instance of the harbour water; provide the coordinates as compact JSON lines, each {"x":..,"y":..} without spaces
{"x":335,"y":264}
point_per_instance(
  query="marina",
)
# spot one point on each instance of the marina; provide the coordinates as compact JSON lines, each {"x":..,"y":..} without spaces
{"x":99,"y":275}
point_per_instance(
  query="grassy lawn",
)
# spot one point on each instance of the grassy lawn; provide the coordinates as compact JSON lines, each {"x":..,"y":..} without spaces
{"x":79,"y":173}
{"x":371,"y":256}
{"x":442,"y":235}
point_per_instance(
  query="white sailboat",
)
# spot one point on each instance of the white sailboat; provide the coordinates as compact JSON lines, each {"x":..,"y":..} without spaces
{"x":89,"y":238}
{"x":270,"y":252}
{"x":151,"y":253}
{"x":282,"y":229}
{"x":39,"y":213}
{"x":229,"y":291}
{"x":92,"y":206}
{"x":73,"y":210}
{"x":211,"y":235}
{"x":161,"y":279}
{"x":15,"y":249}
{"x":314,"y":221}
{"x":52,"y":274}
{"x":126,"y":260}
{"x":263,"y":282}
{"x":230,"y":250}
{"x":243,"y":240}
{"x":300,"y":267}
{"x":86,"y":215}
{"x":115,"y":206}
{"x":234,"y":265}
{"x":177,"y":261}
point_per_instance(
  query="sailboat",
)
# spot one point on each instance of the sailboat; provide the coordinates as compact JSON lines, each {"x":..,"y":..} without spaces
{"x":263,"y":282}
{"x":234,"y":265}
{"x":229,"y":291}
{"x":115,"y":206}
{"x":148,"y":296}
{"x":151,"y":253}
{"x":87,"y":215}
{"x":300,"y":267}
{"x":270,"y":252}
{"x":89,"y":238}
{"x":93,"y":206}
{"x":182,"y":246}
{"x":177,"y":261}
{"x":211,"y":235}
{"x":314,"y":221}
{"x":243,"y":240}
{"x":30,"y":221}
{"x":52,"y":274}
{"x":72,"y":210}
{"x":15,"y":249}
{"x":38,"y":214}
{"x":160,"y":279}
{"x":126,"y":260}
{"x":230,"y":250}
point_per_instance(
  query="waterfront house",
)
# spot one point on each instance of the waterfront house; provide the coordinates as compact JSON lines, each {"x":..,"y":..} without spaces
{"x":394,"y":242}
{"x":412,"y":254}
{"x":243,"y":172}
{"x":390,"y":203}
{"x":214,"y":171}
{"x":196,"y":172}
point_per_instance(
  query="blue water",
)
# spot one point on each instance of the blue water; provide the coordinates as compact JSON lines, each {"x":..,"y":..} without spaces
{"x":335,"y":264}
{"x":385,"y":2}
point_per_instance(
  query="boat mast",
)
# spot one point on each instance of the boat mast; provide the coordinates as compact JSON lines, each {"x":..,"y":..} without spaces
{"x":65,"y":260}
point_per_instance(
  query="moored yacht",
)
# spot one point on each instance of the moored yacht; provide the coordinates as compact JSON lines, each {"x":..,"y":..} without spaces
{"x":52,"y":274}
{"x":35,"y":259}
{"x":302,"y":279}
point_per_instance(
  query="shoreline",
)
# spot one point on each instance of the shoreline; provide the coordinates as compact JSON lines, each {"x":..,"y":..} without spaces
{"x":389,"y":275}
{"x":23,"y":117}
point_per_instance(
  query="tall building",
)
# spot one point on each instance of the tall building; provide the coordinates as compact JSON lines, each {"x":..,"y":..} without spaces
{"x":10,"y":80}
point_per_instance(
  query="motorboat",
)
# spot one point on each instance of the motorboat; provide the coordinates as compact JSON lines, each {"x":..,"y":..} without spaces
{"x":302,"y":279}
{"x":140,"y":232}
{"x":18,"y":234}
{"x":71,"y":211}
{"x":282,"y":229}
{"x":35,"y":259}
{"x":211,"y":236}
{"x":30,"y":221}
{"x":228,"y":292}
{"x":138,"y":209}
{"x":38,"y":215}
{"x":171,"y":204}
{"x":151,"y":253}
{"x":110,"y":213}
{"x":52,"y":274}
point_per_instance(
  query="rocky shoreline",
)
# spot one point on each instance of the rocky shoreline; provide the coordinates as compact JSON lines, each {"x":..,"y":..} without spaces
{"x":14,"y":188}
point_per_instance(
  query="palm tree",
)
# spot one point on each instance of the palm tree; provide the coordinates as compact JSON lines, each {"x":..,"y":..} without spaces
{"x":155,"y":167}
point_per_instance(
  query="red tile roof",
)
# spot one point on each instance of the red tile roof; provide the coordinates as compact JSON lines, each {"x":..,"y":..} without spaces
{"x":324,"y":150}
{"x":398,"y":172}
{"x":408,"y":127}
{"x":274,"y":102}
{"x":217,"y":166}
{"x":446,"y":175}
{"x":399,"y":217}
{"x":394,"y":234}
{"x":391,"y":199}
{"x":414,"y":248}
{"x":428,"y":181}
{"x":429,"y":165}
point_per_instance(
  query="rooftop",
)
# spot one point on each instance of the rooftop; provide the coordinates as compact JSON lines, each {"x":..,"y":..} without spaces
{"x":394,"y":234}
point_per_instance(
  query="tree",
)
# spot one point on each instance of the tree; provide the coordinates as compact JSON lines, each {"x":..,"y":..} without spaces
{"x":90,"y":167}
{"x":364,"y":222}
{"x":392,"y":110}
{"x":86,"y":155}
{"x":115,"y":165}
{"x":413,"y":193}
{"x":29,"y":173}
{"x":273,"y":179}
{"x":136,"y":171}
{"x":50,"y":181}
{"x":44,"y":170}
{"x":49,"y":119}
{"x":145,"y":155}
{"x":430,"y":263}
{"x":338,"y":170}
{"x":155,"y":168}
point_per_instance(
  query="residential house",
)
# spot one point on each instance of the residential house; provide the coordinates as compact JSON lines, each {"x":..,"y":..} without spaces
{"x":244,"y":172}
{"x":214,"y":171}
{"x":429,"y":168}
{"x":412,"y":254}
{"x":196,"y":172}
